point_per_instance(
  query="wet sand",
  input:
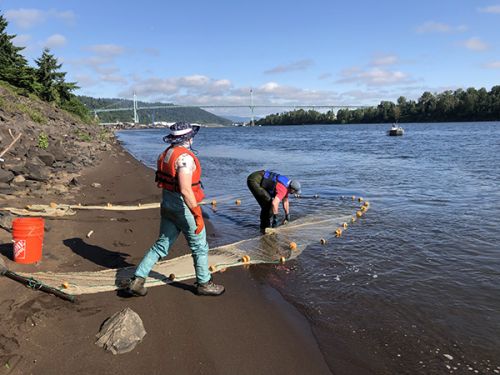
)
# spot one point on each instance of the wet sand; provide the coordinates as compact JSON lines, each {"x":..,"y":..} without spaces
{"x":248,"y":330}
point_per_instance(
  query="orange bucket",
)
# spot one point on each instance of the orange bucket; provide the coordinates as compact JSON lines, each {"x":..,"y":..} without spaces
{"x":27,"y":235}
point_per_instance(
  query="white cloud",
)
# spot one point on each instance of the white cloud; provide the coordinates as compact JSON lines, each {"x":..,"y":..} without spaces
{"x":202,"y":90}
{"x":106,"y":50}
{"x":113,"y":78}
{"x":494,"y":9}
{"x":21,"y":40}
{"x":54,"y":41}
{"x":28,"y":18}
{"x":493,"y":65}
{"x":385,"y":60}
{"x":373,"y":77}
{"x":475,"y":44}
{"x":85,"y":80}
{"x":294,"y":66}
{"x":194,"y":85}
{"x":439,"y":27}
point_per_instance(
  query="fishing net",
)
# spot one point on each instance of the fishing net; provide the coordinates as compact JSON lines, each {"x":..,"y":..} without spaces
{"x":280,"y":244}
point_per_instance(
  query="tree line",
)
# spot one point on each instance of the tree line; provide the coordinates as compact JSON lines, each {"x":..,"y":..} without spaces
{"x":45,"y":80}
{"x":448,"y":106}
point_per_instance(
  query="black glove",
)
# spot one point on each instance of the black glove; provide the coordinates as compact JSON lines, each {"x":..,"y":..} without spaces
{"x":286,"y":219}
{"x":274,"y":223}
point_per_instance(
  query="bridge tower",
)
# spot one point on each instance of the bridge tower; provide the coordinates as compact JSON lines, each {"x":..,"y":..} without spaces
{"x":252,"y":107}
{"x":136,"y":117}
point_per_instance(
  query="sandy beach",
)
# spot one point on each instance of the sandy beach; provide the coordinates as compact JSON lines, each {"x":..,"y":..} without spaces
{"x":251,"y":329}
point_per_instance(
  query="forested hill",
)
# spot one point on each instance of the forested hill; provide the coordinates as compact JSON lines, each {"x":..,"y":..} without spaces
{"x":147,"y":116}
{"x":448,"y":106}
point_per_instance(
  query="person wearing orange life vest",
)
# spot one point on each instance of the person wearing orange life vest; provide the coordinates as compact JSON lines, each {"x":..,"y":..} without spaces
{"x":179,"y":176}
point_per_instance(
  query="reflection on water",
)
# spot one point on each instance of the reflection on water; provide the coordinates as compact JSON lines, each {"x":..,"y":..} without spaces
{"x":413,"y":287}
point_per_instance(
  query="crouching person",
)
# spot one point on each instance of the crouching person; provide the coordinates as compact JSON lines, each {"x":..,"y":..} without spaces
{"x":179,"y":174}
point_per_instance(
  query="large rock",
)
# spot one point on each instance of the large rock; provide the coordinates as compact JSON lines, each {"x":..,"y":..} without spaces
{"x":15,"y":166}
{"x":36,"y":172}
{"x":121,"y":332}
{"x":6,"y":221}
{"x":5,"y":188}
{"x":6,"y":176}
{"x":47,"y":158}
{"x":58,"y":151}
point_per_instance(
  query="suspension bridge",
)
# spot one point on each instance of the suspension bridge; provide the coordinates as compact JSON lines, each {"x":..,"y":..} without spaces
{"x":135,"y":108}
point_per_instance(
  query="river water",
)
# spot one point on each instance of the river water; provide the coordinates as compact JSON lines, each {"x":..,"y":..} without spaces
{"x":414,"y":286}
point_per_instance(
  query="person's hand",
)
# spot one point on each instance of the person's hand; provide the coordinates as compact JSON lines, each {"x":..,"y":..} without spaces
{"x":274,"y":223}
{"x":286,"y":219}
{"x":198,"y":218}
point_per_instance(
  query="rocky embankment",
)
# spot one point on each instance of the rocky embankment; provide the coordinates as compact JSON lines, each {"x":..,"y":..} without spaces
{"x":43,"y":148}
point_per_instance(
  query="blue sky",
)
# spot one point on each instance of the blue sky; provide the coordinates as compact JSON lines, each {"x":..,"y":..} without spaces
{"x":308,"y":52}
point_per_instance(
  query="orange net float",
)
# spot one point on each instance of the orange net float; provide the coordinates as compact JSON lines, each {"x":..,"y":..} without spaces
{"x":360,"y":199}
{"x":212,"y":268}
{"x":359,"y":213}
{"x":292,"y":246}
{"x":353,"y":219}
{"x":245,"y":259}
{"x":214,"y":202}
{"x":338,"y":232}
{"x":237,"y":202}
{"x":344,"y":225}
{"x":322,"y":241}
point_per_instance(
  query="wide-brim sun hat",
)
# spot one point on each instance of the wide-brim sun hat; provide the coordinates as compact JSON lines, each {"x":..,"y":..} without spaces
{"x":181,"y":132}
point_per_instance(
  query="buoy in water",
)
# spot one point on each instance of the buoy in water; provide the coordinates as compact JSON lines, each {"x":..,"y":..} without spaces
{"x":353,"y":198}
{"x":363,"y":208}
{"x":238,"y":202}
{"x":366,"y":203}
{"x":359,"y":213}
{"x":338,"y":232}
{"x":293,"y":246}
{"x":214,"y":202}
{"x":360,"y":199}
{"x":322,"y":241}
{"x":353,"y":219}
{"x":344,"y":225}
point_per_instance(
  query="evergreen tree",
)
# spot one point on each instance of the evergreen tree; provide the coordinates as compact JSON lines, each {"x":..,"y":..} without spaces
{"x":53,"y":87}
{"x":14,"y":68}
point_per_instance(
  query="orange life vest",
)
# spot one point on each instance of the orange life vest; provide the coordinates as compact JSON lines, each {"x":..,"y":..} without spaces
{"x":166,"y":175}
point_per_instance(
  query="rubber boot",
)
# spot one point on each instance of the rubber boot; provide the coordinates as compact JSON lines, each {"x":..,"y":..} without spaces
{"x":136,"y":287}
{"x":209,"y":289}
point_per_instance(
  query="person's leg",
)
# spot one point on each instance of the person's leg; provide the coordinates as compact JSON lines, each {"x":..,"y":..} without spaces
{"x":263,"y":198}
{"x":168,"y":234}
{"x":199,"y":251}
